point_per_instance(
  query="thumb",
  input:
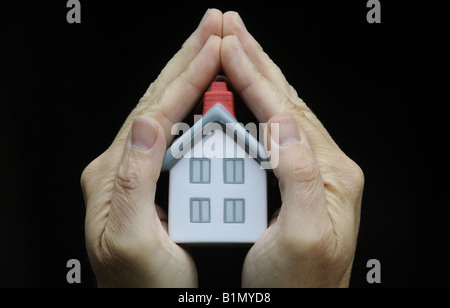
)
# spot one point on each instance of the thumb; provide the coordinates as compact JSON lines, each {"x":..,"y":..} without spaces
{"x":300,"y":181}
{"x":132,"y":203}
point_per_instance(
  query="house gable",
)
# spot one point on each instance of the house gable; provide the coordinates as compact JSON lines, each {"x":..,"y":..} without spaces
{"x":217,"y":185}
{"x":216,"y":116}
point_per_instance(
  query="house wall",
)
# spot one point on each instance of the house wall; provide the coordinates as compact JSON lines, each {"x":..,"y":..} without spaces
{"x":181,"y":191}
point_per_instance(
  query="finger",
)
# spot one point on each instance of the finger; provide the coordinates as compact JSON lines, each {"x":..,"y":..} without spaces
{"x":182,"y":94}
{"x":301,"y":185}
{"x":179,"y":97}
{"x":263,"y":65}
{"x":258,"y":93}
{"x":234,"y":25}
{"x":211,"y":24}
{"x":132,"y":204}
{"x":263,"y":98}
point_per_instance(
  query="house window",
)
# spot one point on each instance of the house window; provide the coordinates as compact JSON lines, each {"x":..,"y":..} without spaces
{"x":234,"y":211}
{"x":200,"y":210}
{"x":233,"y":171}
{"x":200,"y":171}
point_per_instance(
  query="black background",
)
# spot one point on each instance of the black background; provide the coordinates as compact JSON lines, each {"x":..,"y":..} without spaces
{"x":379,"y":89}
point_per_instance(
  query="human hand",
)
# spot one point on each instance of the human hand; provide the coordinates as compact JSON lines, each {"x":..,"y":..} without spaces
{"x":311,"y":240}
{"x":126,"y":233}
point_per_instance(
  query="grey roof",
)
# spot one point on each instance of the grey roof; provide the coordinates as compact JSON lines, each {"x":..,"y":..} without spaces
{"x":217,"y":114}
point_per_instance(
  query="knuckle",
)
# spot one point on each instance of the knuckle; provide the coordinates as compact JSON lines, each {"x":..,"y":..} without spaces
{"x":145,"y":100}
{"x":127,"y":179}
{"x":293,"y":95}
{"x":85,"y":175}
{"x":344,"y":179}
{"x":353,"y":174}
{"x":358,"y":174}
{"x":152,"y":92}
{"x":89,"y":173}
{"x":153,"y":86}
{"x":305,"y":170}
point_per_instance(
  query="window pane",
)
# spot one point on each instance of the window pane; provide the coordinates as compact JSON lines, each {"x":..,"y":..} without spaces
{"x":205,"y":171}
{"x":195,"y":211}
{"x":195,"y":171}
{"x":205,"y":211}
{"x":229,"y":171}
{"x":239,"y":171}
{"x":228,"y":211}
{"x":239,"y":211}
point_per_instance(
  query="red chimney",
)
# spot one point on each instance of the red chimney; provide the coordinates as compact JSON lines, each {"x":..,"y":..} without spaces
{"x":219,"y":94}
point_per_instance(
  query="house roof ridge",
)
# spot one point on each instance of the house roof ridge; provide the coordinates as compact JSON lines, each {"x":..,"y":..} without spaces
{"x":217,"y":114}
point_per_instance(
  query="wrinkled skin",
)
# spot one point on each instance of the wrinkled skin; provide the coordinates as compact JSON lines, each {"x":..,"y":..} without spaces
{"x":310,"y":241}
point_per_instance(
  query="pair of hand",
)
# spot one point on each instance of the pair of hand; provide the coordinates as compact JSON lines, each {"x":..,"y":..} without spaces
{"x":310,"y":241}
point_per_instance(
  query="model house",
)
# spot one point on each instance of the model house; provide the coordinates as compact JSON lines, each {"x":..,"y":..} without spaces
{"x":217,"y":188}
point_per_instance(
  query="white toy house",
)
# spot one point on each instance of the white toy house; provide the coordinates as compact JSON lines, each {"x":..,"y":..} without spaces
{"x":217,"y":188}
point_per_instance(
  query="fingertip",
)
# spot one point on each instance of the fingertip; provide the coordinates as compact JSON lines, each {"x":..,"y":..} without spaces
{"x":215,"y":12}
{"x":213,"y":40}
{"x":212,"y":22}
{"x":256,"y":91}
{"x":231,"y":52}
{"x":232,"y":39}
{"x":232,"y":23}
{"x":210,"y":51}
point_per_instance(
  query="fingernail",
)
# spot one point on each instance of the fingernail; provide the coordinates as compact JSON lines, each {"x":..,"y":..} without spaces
{"x":205,"y":17}
{"x":240,"y":21}
{"x":143,"y":134}
{"x":287,"y":130}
